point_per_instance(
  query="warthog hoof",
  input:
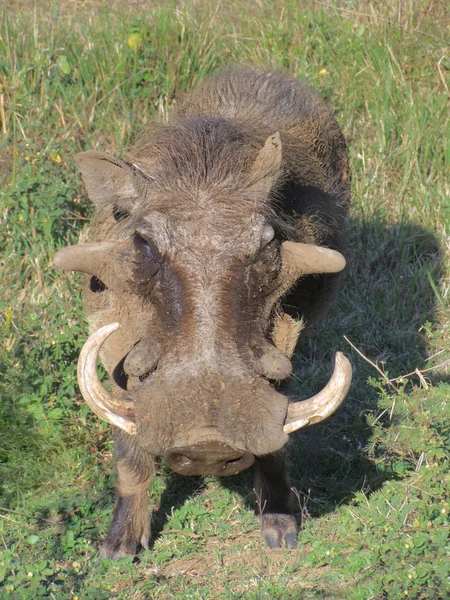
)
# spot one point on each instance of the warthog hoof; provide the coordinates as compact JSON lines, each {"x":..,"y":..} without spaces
{"x":277,"y":528}
{"x":122,"y":547}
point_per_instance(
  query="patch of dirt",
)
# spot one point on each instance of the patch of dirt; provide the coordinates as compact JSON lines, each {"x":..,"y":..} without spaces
{"x":195,"y":566}
{"x":241,"y":563}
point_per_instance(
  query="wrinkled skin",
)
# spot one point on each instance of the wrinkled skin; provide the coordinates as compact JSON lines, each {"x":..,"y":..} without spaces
{"x":198,"y":213}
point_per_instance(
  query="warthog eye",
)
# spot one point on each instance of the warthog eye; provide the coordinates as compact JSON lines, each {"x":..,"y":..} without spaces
{"x":147,"y":257}
{"x":270,"y":254}
{"x":96,"y":285}
{"x":120,"y":213}
{"x":267,"y":266}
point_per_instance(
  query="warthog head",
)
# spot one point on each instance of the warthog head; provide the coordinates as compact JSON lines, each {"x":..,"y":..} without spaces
{"x":187,"y":267}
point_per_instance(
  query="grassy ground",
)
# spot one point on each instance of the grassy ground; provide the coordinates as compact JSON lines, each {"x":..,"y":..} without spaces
{"x":373,"y":484}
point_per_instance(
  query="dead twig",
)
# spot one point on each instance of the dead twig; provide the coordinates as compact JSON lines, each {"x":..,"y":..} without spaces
{"x":13,"y":520}
{"x":374,"y":365}
{"x":182,"y":532}
{"x":21,"y":514}
{"x":419,"y":372}
{"x":390,"y":382}
{"x":441,"y":75}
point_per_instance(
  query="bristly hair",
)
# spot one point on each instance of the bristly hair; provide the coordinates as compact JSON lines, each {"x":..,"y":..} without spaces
{"x":198,"y":152}
{"x":202,"y":157}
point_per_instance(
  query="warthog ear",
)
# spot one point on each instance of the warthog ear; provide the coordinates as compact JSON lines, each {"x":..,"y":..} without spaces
{"x":109,"y":179}
{"x":267,"y":163}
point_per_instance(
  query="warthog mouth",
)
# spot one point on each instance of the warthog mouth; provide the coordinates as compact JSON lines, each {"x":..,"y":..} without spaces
{"x":121,"y":412}
{"x":208,"y":458}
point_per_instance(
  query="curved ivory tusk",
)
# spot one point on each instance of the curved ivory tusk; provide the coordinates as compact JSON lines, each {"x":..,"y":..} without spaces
{"x":322,"y":405}
{"x":92,"y":390}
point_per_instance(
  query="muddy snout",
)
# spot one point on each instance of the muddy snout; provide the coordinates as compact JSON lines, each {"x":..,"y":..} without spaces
{"x":208,"y":458}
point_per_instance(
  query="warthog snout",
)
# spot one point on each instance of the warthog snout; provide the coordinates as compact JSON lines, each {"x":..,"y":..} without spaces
{"x":208,"y":458}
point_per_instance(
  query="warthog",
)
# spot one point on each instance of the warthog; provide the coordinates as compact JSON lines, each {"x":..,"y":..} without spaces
{"x":216,"y":240}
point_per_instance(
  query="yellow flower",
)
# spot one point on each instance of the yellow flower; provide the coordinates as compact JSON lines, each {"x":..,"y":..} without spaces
{"x":55,"y":156}
{"x":322,"y":71}
{"x":134,"y":41}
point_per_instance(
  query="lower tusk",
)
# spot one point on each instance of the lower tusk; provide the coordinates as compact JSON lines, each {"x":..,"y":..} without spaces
{"x":291,"y":427}
{"x":98,"y":399}
{"x":325,"y":403}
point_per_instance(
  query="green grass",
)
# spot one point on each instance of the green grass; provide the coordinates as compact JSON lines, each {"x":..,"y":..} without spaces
{"x":372,"y":482}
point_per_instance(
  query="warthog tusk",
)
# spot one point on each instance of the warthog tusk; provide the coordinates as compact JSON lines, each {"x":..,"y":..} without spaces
{"x":98,"y":399}
{"x":322,"y":405}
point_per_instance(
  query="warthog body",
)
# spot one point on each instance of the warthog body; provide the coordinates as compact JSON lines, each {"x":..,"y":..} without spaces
{"x":217,"y":239}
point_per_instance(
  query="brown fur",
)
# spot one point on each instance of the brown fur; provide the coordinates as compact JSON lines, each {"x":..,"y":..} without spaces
{"x":131,"y":521}
{"x":274,"y":500}
{"x":202,"y":285}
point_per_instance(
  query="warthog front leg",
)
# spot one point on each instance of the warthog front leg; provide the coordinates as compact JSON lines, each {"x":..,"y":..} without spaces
{"x":274,"y":499}
{"x":131,"y":521}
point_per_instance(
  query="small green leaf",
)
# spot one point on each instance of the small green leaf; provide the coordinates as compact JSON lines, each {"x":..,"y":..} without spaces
{"x":70,"y":539}
{"x":63,"y":65}
{"x":33,"y":539}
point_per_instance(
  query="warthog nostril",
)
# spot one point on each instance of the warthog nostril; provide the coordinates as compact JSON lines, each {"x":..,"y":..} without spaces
{"x":183,"y":462}
{"x":208,"y":458}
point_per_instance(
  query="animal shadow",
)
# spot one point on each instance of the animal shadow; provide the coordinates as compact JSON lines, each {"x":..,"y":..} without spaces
{"x":389,"y":294}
